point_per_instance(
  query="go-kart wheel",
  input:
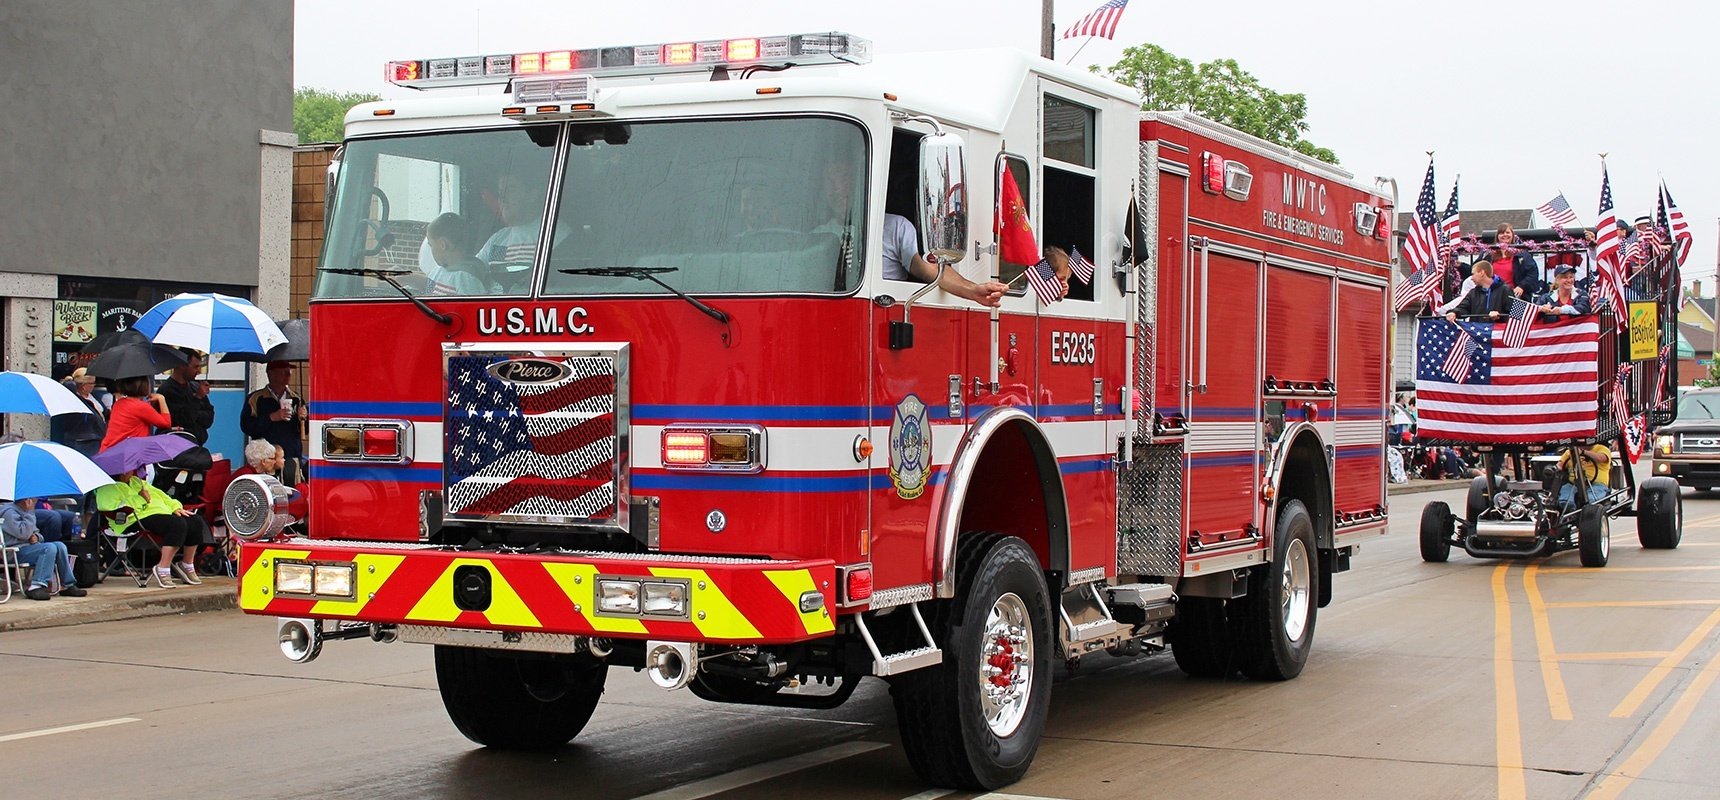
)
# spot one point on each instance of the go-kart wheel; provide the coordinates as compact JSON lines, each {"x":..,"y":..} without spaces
{"x":1593,"y":530}
{"x":1659,"y":514}
{"x":1435,"y":532}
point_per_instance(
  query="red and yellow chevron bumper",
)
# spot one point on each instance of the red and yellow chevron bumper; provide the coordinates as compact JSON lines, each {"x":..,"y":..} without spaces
{"x":729,"y":600}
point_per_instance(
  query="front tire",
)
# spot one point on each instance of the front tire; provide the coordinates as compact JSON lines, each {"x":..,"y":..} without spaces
{"x":973,"y":722}
{"x":1659,"y":514}
{"x":514,"y":702}
{"x":1436,"y":532}
{"x":1279,"y":612}
{"x":1594,"y":531}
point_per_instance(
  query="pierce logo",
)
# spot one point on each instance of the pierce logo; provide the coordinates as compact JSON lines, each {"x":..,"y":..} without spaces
{"x":530,"y":370}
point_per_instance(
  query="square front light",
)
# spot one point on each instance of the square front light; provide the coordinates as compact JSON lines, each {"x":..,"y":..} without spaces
{"x":293,"y":578}
{"x":665,"y":599}
{"x":334,"y":580}
{"x":342,"y":441}
{"x":618,"y":597}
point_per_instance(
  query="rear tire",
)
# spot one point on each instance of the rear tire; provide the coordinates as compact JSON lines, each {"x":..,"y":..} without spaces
{"x":1436,"y":532}
{"x":1593,"y":531}
{"x":1659,"y":514}
{"x":1277,"y":616}
{"x":514,"y":702}
{"x":1200,"y":638}
{"x":964,"y":726}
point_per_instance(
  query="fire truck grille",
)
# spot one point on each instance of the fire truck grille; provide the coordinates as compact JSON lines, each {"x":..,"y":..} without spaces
{"x":1149,"y":519}
{"x":533,"y":437}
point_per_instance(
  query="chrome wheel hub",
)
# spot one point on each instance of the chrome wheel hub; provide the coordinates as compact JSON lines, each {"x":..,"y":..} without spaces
{"x":1296,"y":590}
{"x":1006,"y":664}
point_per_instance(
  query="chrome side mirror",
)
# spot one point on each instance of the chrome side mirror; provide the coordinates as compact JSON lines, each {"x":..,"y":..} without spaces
{"x":943,"y":206}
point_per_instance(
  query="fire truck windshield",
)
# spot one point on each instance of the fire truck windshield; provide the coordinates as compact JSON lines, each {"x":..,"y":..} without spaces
{"x":760,"y":205}
{"x":757,"y":205}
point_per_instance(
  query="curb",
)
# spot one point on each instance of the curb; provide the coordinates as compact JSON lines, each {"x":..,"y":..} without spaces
{"x":155,"y":605}
{"x":1418,"y":487}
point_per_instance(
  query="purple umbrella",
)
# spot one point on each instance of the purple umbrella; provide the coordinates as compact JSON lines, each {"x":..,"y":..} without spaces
{"x":127,"y":455}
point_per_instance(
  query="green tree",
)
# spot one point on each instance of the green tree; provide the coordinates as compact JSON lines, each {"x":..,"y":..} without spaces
{"x":318,"y":114}
{"x":1220,"y":90}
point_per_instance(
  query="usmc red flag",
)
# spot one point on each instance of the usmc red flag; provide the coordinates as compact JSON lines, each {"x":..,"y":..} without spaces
{"x":1014,"y":232}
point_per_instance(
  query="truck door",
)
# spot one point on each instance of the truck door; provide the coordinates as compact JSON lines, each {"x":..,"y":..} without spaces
{"x":1224,"y":395}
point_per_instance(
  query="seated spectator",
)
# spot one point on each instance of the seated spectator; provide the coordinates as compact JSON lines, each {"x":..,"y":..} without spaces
{"x":46,"y":559}
{"x":56,"y":525}
{"x":136,"y":413}
{"x":1564,"y":299}
{"x":132,"y":501}
{"x":1596,"y":470}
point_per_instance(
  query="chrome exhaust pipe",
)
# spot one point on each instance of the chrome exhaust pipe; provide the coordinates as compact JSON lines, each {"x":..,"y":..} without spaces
{"x":671,"y":665}
{"x":301,"y":639}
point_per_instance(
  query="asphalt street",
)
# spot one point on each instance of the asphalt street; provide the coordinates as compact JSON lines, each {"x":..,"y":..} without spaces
{"x":1465,"y":679}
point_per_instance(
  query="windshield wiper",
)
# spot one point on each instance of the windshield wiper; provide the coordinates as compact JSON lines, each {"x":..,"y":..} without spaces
{"x":387,"y":276}
{"x":649,"y":274}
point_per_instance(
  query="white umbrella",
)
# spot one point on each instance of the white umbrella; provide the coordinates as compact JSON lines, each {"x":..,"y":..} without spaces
{"x":45,"y":469}
{"x":212,"y":323}
{"x":29,"y":393}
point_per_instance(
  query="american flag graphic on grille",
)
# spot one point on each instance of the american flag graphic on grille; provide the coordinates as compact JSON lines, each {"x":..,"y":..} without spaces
{"x":543,"y":449}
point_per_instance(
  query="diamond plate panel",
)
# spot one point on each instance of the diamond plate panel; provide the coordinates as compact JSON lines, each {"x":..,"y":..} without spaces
{"x":1147,"y":287}
{"x":1149,"y":512}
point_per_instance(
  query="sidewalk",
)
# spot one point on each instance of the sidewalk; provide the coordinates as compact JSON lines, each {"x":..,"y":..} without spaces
{"x":1417,"y":485}
{"x":116,"y":599}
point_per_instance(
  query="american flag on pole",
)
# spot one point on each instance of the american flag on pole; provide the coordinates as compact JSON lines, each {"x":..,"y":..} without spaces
{"x":1450,"y":225}
{"x":1608,"y":259}
{"x":1543,"y":391}
{"x":1461,"y":360}
{"x":1082,"y":268}
{"x":1678,"y":228}
{"x":1043,"y":278}
{"x":1665,"y":377}
{"x":541,"y":448}
{"x":1522,"y":318}
{"x":1558,"y":211}
{"x":1621,"y":394}
{"x":1101,"y":23}
{"x":1421,"y":250}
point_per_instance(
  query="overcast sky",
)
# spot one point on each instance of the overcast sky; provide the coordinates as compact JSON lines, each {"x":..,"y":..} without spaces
{"x":1518,"y":98}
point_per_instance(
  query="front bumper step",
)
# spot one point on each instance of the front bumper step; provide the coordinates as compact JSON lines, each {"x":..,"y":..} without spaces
{"x":728,"y":600}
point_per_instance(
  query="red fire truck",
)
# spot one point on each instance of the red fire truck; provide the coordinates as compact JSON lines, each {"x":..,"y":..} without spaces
{"x":609,"y":369}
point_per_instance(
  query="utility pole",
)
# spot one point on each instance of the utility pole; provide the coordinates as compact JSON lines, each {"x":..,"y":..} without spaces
{"x":1047,"y":45}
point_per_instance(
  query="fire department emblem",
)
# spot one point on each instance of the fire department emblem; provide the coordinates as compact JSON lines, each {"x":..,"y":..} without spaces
{"x":910,"y":448}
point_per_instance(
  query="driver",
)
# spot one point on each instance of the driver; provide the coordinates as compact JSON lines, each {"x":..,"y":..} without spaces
{"x":521,"y":207}
{"x":1597,"y":470}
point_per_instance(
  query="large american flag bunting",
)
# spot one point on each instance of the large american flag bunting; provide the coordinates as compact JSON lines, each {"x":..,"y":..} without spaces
{"x":1558,"y":211}
{"x":1101,"y":23}
{"x":1521,"y":320}
{"x":1541,"y":392}
{"x":1421,"y":250}
{"x":535,"y":449}
{"x":1610,"y":283}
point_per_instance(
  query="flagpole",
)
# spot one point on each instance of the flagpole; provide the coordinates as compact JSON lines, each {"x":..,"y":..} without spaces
{"x":1079,"y":49}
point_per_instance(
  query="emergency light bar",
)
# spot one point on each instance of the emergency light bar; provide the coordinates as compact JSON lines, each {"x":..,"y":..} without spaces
{"x":801,"y":49}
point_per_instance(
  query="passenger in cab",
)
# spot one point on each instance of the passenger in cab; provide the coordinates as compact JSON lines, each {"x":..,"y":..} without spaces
{"x":1489,"y":300}
{"x":1596,"y":470}
{"x":458,"y":271}
{"x":903,"y":262}
{"x":1564,"y":299}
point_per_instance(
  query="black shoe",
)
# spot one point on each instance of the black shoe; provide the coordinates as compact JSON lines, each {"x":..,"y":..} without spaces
{"x":72,"y":591}
{"x":37,"y":593}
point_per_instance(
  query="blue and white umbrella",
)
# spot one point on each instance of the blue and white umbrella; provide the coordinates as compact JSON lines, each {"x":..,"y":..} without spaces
{"x":29,"y":393}
{"x":212,"y":323}
{"x":45,"y":469}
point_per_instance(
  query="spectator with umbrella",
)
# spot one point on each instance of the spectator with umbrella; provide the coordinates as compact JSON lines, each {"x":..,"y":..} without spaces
{"x":130,"y":501}
{"x":188,"y":398}
{"x":41,"y":469}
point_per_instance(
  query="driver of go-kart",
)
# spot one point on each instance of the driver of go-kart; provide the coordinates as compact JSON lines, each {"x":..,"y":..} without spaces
{"x":1597,"y":471}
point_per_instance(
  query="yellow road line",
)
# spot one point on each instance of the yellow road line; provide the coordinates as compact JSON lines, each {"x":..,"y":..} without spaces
{"x":1611,"y":570}
{"x":1507,"y":730}
{"x":1558,"y":702}
{"x":1632,"y":701}
{"x":1669,"y":726}
{"x":1631,"y":603}
{"x":1622,"y":655}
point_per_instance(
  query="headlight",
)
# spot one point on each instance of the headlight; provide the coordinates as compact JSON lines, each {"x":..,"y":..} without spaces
{"x":294,"y":578}
{"x":618,"y":597}
{"x":334,"y":580}
{"x":666,"y":599}
{"x":1663,"y":444}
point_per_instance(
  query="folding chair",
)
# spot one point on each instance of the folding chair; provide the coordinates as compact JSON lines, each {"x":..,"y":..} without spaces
{"x":11,"y":569}
{"x":116,"y":550}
